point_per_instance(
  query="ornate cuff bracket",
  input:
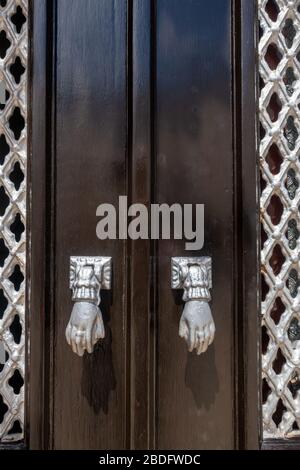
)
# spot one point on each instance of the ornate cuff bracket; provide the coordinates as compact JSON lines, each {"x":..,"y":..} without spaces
{"x":88,"y":274}
{"x":193,"y":275}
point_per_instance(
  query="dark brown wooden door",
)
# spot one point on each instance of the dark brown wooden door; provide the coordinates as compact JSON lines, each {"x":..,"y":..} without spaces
{"x":142,"y":99}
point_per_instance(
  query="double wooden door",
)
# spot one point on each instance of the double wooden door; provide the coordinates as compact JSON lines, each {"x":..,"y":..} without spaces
{"x":153,"y":100}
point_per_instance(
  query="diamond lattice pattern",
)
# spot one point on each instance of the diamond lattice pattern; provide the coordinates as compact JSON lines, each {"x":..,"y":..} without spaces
{"x":279,"y":104}
{"x":13,"y":157}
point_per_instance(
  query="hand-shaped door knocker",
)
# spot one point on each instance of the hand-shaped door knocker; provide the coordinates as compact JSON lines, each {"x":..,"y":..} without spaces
{"x":196,"y":326}
{"x":87,"y":276}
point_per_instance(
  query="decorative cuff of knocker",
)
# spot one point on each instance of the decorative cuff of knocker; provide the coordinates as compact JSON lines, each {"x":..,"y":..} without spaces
{"x":196,"y":293}
{"x":93,"y":299}
{"x":89,"y":274}
{"x":193,"y":275}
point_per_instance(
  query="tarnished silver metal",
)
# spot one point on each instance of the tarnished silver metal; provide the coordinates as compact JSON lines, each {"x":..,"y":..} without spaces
{"x":279,"y":68}
{"x":196,"y":325}
{"x":13,"y":184}
{"x":88,"y":274}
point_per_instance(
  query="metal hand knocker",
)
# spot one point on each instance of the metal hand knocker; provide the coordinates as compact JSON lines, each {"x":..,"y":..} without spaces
{"x":88,"y":274}
{"x":196,"y":326}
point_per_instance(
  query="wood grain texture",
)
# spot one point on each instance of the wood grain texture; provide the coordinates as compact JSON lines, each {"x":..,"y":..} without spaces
{"x":250,"y":357}
{"x":36,"y":408}
{"x":195,"y":395}
{"x":90,"y":157}
{"x":139,"y":51}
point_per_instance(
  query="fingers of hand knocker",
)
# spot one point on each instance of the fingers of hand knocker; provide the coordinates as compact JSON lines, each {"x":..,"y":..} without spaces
{"x":95,"y":333}
{"x":71,"y":337}
{"x":202,"y":340}
{"x":197,"y":326}
{"x":85,"y":327}
{"x":74,"y":340}
{"x":100,"y":333}
{"x":83,"y":340}
{"x":79,"y":342}
{"x":68,"y":333}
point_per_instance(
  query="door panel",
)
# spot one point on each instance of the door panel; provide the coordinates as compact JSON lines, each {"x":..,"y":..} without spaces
{"x":194,"y":165}
{"x":90,"y":158}
{"x":142,"y":102}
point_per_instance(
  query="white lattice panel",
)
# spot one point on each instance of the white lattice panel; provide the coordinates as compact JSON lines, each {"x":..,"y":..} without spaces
{"x":279,"y":68}
{"x":13,"y":158}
